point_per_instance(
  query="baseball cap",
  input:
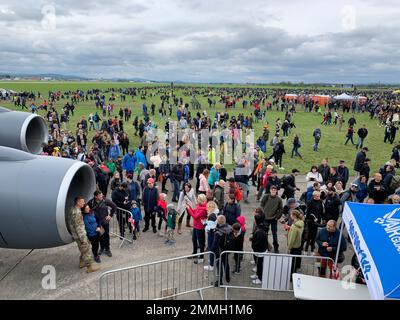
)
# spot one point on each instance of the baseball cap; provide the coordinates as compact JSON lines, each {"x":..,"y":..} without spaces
{"x":354,"y":185}
{"x":291,"y":201}
{"x":150,"y":180}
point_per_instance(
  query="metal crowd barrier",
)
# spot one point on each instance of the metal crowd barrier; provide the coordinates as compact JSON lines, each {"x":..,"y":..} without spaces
{"x":158,"y":280}
{"x":277,"y":270}
{"x":121,"y":217}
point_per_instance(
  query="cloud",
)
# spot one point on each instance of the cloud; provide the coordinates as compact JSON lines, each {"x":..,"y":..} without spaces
{"x":206,"y":41}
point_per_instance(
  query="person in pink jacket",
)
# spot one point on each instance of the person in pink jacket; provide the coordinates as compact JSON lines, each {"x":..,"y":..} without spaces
{"x":199,"y":215}
{"x":204,"y":186}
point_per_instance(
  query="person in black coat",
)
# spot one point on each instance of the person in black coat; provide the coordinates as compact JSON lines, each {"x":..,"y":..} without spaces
{"x":237,"y":245}
{"x":360,"y":159}
{"x":343,"y":173}
{"x":365,"y":169}
{"x":332,"y":206}
{"x":231,"y":210}
{"x":150,"y":199}
{"x":273,"y":180}
{"x":259,"y":243}
{"x":289,"y":184}
{"x":376,"y":189}
{"x":324,"y":170}
{"x":314,"y":219}
{"x":120,"y":197}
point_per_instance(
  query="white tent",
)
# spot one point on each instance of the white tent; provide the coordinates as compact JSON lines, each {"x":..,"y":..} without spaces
{"x":343,"y":96}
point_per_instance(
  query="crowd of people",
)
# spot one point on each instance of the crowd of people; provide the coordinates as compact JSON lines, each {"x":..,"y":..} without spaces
{"x":135,"y":179}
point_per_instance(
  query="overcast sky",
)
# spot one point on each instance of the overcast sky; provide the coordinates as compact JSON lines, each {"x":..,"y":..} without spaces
{"x":204,"y":40}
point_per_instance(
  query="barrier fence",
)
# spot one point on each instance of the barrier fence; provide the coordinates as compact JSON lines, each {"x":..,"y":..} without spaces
{"x":275,"y":270}
{"x":158,"y":280}
{"x":120,"y":226}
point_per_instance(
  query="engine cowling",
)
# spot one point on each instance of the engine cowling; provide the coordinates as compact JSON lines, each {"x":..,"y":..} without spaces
{"x":36,"y":192}
{"x":23,"y":131}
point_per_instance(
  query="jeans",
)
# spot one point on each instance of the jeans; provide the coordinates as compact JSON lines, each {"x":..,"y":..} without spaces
{"x":295,"y":150}
{"x":274,"y":228}
{"x":315,"y":146}
{"x":91,"y":126}
{"x":199,"y":241}
{"x":177,"y":189}
{"x":225,"y":265}
{"x":349,"y":139}
{"x":360,"y":142}
{"x":210,"y":241}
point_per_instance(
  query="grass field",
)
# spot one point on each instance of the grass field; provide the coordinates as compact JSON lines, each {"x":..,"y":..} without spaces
{"x":331,"y":145}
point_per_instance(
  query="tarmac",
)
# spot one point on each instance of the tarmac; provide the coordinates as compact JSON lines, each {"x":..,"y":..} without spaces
{"x":23,"y":272}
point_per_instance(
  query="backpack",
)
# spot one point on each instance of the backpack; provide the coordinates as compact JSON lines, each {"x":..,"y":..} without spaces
{"x":228,"y":242}
{"x":394,"y":183}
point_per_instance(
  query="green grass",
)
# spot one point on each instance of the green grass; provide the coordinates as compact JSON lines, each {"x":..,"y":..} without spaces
{"x":331,"y":145}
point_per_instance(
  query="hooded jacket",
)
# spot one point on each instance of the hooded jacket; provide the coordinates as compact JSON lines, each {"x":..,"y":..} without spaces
{"x":221,"y":232}
{"x":295,"y":234}
{"x":259,"y":241}
{"x":129,"y":162}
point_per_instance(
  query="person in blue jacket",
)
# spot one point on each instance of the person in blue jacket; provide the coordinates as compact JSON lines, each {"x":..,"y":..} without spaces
{"x":92,"y":227}
{"x":129,"y":162}
{"x":140,"y":157}
{"x":114,"y":151}
{"x":137,"y":217}
{"x":328,"y":245}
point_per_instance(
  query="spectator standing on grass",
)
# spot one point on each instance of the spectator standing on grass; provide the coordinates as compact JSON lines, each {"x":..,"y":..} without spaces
{"x":317,"y":137}
{"x":362,"y":134}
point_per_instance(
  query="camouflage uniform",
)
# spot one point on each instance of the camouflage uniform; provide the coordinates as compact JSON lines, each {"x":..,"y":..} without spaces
{"x":78,"y":232}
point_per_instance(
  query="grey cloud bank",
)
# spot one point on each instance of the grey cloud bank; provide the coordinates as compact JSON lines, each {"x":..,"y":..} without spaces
{"x":204,"y":41}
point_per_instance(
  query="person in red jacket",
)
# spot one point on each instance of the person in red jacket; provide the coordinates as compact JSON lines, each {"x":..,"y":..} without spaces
{"x":199,"y":215}
{"x":162,"y":213}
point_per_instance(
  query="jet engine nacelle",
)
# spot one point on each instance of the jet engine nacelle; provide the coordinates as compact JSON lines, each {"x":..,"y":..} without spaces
{"x":23,"y":131}
{"x":36,"y":192}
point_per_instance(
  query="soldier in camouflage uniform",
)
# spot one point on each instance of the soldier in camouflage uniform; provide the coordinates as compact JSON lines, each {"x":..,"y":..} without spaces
{"x":78,"y":232}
